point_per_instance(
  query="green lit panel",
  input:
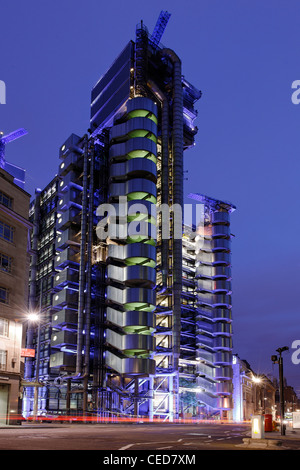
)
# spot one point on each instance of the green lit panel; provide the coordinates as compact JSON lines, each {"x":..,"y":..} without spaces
{"x":141,"y":217}
{"x":137,"y":353}
{"x":142,"y":113}
{"x":139,"y":306}
{"x":140,"y":260}
{"x":150,"y":241}
{"x":142,"y":133}
{"x":141,"y":154}
{"x":146,"y":240}
{"x":141,"y":195}
{"x":138,"y":329}
{"x":134,"y":352}
{"x":137,"y":239}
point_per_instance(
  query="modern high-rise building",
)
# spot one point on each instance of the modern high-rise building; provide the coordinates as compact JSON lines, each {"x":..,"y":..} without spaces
{"x":117,"y":333}
{"x":206,"y":332}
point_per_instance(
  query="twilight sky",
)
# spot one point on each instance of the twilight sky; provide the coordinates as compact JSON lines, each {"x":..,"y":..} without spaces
{"x":243,"y":56}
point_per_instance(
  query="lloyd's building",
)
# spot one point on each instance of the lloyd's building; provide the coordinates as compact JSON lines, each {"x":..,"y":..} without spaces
{"x":134,"y":323}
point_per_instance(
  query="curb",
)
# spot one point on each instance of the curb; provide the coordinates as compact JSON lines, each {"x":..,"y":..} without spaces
{"x":262,"y":443}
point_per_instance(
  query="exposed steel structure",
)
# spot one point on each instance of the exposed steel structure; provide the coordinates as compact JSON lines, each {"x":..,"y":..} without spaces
{"x":112,"y":286}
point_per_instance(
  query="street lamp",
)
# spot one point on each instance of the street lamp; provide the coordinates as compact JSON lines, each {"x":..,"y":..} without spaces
{"x":257,"y":390}
{"x":256,"y":379}
{"x":279,"y":361}
{"x":33,"y":317}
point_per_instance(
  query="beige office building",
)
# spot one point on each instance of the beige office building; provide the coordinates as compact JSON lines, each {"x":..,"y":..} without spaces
{"x":14,"y":270}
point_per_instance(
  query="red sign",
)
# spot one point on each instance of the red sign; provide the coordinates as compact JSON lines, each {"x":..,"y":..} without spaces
{"x":27,"y":352}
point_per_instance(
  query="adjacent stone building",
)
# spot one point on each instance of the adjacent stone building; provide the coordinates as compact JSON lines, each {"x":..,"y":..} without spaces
{"x":14,"y":268}
{"x":252,"y":393}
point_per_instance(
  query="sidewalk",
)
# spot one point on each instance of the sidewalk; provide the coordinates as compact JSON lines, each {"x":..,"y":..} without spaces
{"x":274,"y":440}
{"x":290,"y":433}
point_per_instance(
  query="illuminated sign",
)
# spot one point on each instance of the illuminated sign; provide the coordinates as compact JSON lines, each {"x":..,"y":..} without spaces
{"x":258,"y":427}
{"x":255,"y":426}
{"x":27,"y":352}
{"x":296,"y":419}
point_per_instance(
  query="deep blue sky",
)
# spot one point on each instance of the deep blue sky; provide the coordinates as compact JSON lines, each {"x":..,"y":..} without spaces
{"x":244,"y":56}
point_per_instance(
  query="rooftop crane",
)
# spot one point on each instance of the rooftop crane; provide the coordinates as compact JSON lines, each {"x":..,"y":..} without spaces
{"x":159,"y":28}
{"x":5,"y":139}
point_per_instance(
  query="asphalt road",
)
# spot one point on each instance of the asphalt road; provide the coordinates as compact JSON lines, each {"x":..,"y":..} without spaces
{"x":135,"y":437}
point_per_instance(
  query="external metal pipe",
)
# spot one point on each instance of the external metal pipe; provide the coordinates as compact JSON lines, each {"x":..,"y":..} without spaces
{"x":34,"y":255}
{"x":89,"y":264}
{"x":82,"y":261}
{"x":165,"y":175}
{"x":32,"y":286}
{"x":38,"y":355}
{"x":177,"y":149}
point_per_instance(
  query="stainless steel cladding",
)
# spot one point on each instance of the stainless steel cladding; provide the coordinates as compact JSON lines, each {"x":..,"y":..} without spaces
{"x":207,"y":295}
{"x":131,"y":260}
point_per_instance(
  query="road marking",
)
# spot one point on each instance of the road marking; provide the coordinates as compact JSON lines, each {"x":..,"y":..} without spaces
{"x":196,"y":434}
{"x":155,"y":442}
{"x":159,"y":448}
{"x":126,"y":447}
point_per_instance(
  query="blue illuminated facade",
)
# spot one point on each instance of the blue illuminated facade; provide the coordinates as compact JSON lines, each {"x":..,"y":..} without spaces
{"x":206,"y":317}
{"x":119,"y":329}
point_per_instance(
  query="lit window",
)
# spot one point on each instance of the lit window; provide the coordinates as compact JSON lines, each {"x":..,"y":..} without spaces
{"x":5,"y":263}
{"x":3,"y":295}
{"x":3,"y":327}
{"x":3,"y":359}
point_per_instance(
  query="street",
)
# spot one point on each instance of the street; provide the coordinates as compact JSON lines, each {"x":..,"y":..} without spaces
{"x":137,"y":437}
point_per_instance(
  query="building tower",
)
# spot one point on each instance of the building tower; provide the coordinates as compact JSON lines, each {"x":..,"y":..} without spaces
{"x":112,"y":341}
{"x":206,"y":337}
{"x":151,"y":120}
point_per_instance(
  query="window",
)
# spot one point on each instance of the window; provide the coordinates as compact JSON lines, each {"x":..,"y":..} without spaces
{"x":3,"y":327}
{"x":5,"y":263}
{"x":3,"y":295}
{"x":6,"y":232}
{"x":5,"y":200}
{"x":3,"y":359}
